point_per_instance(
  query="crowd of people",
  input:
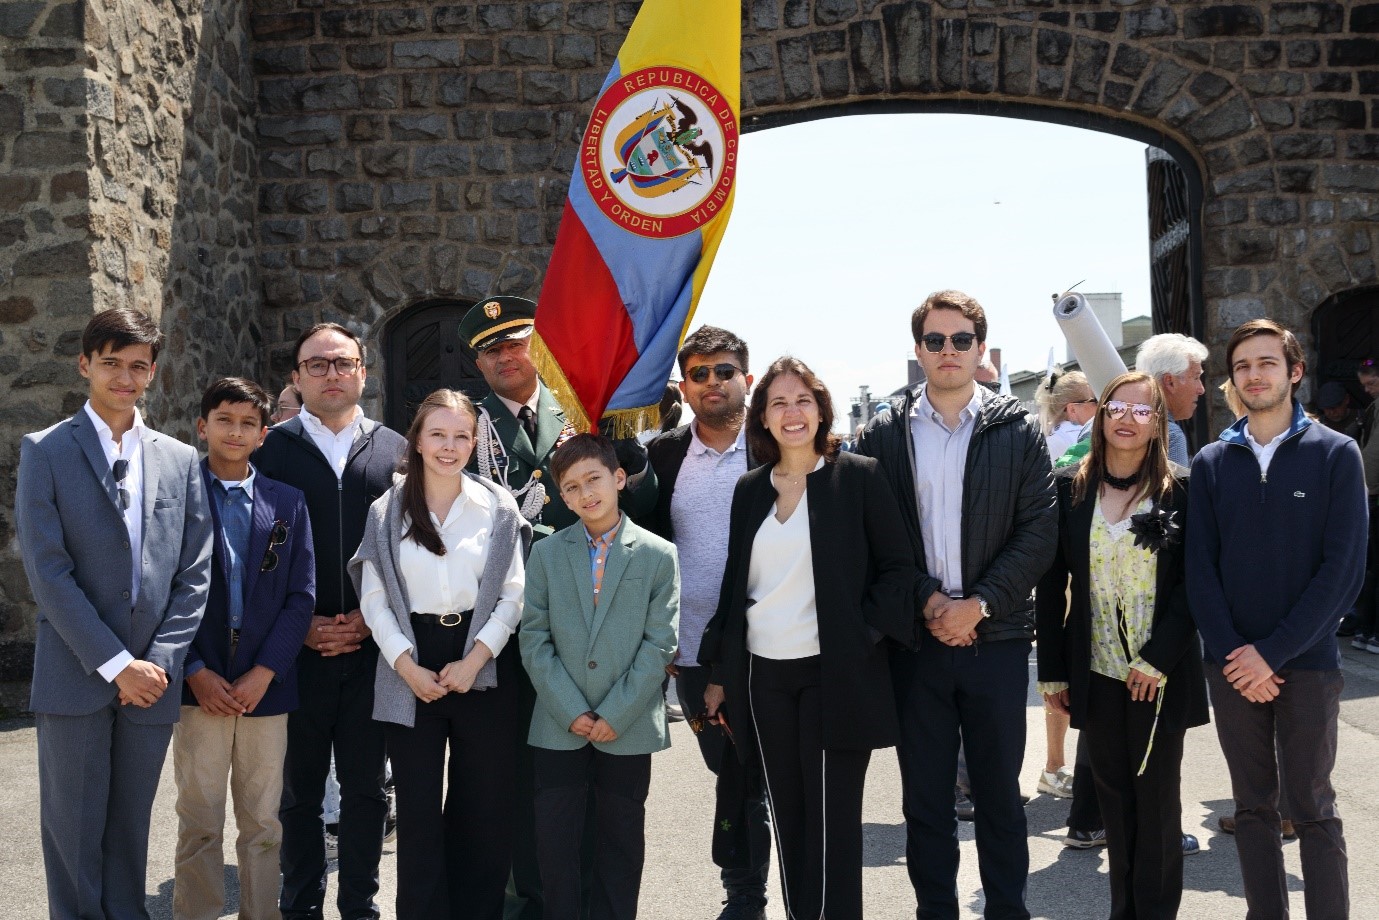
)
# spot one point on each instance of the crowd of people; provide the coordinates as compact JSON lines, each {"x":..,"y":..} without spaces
{"x":489,"y":608}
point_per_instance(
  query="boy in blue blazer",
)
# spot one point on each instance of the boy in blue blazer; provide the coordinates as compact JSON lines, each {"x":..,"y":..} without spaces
{"x":241,"y":679}
{"x":598,"y":629}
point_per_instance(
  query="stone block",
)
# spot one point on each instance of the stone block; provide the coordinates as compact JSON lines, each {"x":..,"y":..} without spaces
{"x":1288,"y":18}
{"x":1274,"y":212}
{"x":1225,"y":212}
{"x":1229,"y":56}
{"x":48,"y":149}
{"x":1048,"y":82}
{"x":439,"y":161}
{"x":981,"y":38}
{"x":367,"y":57}
{"x":16,"y":310}
{"x":69,"y":185}
{"x":1265,"y":54}
{"x":330,"y":164}
{"x":1017,"y":60}
{"x":330,"y":230}
{"x":1304,"y":146}
{"x":1089,"y":64}
{"x":1162,"y":84}
{"x":1223,"y":20}
{"x":1362,"y":146}
{"x":1193,"y":52}
{"x":376,"y":227}
{"x":573,"y":51}
{"x":520,"y":50}
{"x":514,"y":194}
{"x":498,"y":86}
{"x":796,"y":14}
{"x":11,"y":113}
{"x":418,"y":90}
{"x":321,"y":57}
{"x":419,"y":227}
{"x":280,"y":164}
{"x":1272,"y":84}
{"x":493,"y":159}
{"x":429,"y":127}
{"x":1117,"y":95}
{"x":384,"y":162}
{"x":17,"y":19}
{"x":16,"y":191}
{"x":307,"y":198}
{"x":401,"y":22}
{"x":280,"y":59}
{"x":471,"y":125}
{"x":1303,"y":53}
{"x":354,"y":196}
{"x":523,"y":123}
{"x":1364,"y":17}
{"x":1154,"y":22}
{"x":1052,"y":47}
{"x":1244,"y":182}
{"x":542,"y":17}
{"x":1208,"y":87}
{"x":867,"y":56}
{"x":833,"y":41}
{"x":453,"y":19}
{"x":1350,"y":177}
{"x":453,"y":89}
{"x":479,"y":51}
{"x":907,"y":27}
{"x":426,"y":53}
{"x":286,"y":27}
{"x":495,"y":17}
{"x":300,"y":130}
{"x":1330,"y":82}
{"x":347,"y":23}
{"x":380,"y":92}
{"x":1247,"y":247}
{"x":1352,"y":52}
{"x":540,"y":87}
{"x":44,"y":373}
{"x":279,"y":232}
{"x":832,"y":12}
{"x":796,"y":74}
{"x":406,"y":196}
{"x":1332,"y":114}
{"x":981,"y":76}
{"x":834,"y":76}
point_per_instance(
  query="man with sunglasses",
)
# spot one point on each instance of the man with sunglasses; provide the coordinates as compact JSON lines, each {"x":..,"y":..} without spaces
{"x":697,"y":467}
{"x":1275,"y":554}
{"x":972,"y":473}
{"x":112,"y":521}
{"x":241,"y":668}
{"x":341,"y":461}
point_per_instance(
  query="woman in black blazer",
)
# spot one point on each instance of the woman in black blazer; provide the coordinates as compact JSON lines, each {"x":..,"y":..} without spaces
{"x":1124,"y":659}
{"x":819,"y":572}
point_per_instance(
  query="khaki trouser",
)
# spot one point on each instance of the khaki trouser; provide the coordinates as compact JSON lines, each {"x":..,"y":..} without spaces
{"x":247,"y":751}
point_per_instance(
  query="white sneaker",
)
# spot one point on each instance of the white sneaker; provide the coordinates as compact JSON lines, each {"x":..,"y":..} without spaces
{"x":1360,"y":642}
{"x":332,"y":846}
{"x":1372,"y":646}
{"x":1059,"y":785}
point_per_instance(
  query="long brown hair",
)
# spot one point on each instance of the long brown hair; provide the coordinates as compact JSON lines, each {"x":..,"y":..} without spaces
{"x":759,"y":438}
{"x":1156,"y":475}
{"x":421,"y":530}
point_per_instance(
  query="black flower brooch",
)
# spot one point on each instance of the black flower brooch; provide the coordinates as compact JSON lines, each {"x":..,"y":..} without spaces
{"x":1156,"y":528}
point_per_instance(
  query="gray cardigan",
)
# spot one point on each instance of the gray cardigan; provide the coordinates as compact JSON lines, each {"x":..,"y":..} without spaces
{"x":393,"y":700}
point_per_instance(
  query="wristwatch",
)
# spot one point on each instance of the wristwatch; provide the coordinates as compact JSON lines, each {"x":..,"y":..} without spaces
{"x":985,"y":607}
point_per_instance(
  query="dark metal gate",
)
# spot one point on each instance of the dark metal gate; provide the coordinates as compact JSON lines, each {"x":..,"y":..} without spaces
{"x":424,"y":353}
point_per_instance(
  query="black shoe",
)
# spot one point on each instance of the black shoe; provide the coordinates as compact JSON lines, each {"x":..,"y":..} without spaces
{"x":1190,"y":845}
{"x":744,"y":907}
{"x":1347,"y":628}
{"x":390,"y":819}
{"x":966,"y":810}
{"x":1084,"y":840}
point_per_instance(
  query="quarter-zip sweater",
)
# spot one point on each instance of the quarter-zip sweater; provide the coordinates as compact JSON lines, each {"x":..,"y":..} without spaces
{"x":1276,"y":559}
{"x":338,"y":507}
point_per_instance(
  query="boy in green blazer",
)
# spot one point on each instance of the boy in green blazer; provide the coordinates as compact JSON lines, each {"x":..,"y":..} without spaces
{"x":599,"y":628}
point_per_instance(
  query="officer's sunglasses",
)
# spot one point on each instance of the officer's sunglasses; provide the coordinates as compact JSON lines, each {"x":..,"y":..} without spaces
{"x":962,"y":341}
{"x":724,"y":372}
{"x":277,"y":537}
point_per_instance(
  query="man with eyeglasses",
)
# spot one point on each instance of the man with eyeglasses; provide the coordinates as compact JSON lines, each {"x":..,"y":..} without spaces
{"x":972,"y":473}
{"x":341,"y":461}
{"x":697,"y":467}
{"x":113,"y":524}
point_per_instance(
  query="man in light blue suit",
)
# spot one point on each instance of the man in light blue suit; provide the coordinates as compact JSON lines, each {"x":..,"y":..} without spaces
{"x":113,"y":523}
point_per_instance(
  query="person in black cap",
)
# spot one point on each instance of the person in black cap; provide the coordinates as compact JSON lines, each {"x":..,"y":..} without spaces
{"x":520,"y":426}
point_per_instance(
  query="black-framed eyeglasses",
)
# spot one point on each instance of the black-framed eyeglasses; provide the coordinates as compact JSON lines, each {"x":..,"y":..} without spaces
{"x":724,"y":372}
{"x":276,"y":537}
{"x":934,"y":341}
{"x":319,"y":367}
{"x":1138,"y":411}
{"x":121,"y":469}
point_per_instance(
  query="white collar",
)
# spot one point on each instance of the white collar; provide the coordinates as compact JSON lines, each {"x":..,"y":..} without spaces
{"x":699,"y":447}
{"x":247,"y":483}
{"x":107,"y":433}
{"x":1251,"y":438}
{"x":926,"y":408}
{"x":516,"y":407}
{"x":315,"y":425}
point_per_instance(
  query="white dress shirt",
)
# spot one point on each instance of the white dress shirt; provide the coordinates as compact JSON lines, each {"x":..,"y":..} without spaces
{"x":131,"y":449}
{"x":1264,"y":453}
{"x":449,"y":583}
{"x":940,"y":465}
{"x":516,"y":407}
{"x":782,"y":614}
{"x":700,"y":511}
{"x":336,"y":447}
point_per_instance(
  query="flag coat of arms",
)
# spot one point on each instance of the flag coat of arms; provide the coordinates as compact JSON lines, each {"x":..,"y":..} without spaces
{"x":649,"y":201}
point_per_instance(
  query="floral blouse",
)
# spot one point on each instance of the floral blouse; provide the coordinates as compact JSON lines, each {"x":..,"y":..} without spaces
{"x":1122,"y":580}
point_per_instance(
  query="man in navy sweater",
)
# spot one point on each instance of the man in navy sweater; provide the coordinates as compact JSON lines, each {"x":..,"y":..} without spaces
{"x":1276,"y":540}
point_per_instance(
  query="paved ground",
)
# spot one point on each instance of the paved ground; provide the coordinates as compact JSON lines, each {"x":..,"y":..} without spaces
{"x":681,"y":883}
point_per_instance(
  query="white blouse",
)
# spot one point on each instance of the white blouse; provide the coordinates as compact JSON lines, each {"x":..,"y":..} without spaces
{"x":442,"y":584}
{"x":1061,"y":438}
{"x":782,"y":619}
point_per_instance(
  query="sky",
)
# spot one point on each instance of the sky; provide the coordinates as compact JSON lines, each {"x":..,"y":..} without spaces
{"x":842,"y":226}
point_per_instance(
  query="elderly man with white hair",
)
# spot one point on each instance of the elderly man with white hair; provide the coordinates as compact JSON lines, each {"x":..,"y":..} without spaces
{"x":1176,"y":362}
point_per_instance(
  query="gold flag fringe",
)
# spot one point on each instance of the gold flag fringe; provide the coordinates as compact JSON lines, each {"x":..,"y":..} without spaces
{"x":625,"y":423}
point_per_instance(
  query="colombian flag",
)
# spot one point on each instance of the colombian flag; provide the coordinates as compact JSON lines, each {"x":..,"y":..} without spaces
{"x":648,"y":203}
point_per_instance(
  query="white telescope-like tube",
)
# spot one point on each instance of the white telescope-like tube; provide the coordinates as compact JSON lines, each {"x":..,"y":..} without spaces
{"x":1095,"y":354}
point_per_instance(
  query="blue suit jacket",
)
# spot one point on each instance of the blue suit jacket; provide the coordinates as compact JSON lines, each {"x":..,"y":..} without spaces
{"x":77,"y":556}
{"x":277,"y":604}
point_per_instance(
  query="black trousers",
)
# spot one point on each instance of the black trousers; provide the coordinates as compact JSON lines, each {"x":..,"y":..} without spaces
{"x":1143,"y":814}
{"x":335,"y":711}
{"x":454,"y":843}
{"x":747,"y":886}
{"x":1084,"y":814}
{"x":976,"y":693}
{"x":1302,"y":721}
{"x":619,"y":784}
{"x":815,"y":794}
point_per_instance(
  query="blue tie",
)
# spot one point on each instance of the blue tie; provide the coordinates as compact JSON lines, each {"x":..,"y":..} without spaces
{"x":234,"y":527}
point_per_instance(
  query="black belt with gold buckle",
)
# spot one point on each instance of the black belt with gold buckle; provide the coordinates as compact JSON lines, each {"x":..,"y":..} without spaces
{"x":453,"y":618}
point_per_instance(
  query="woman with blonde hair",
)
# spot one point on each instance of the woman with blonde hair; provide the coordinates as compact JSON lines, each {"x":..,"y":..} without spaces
{"x":1066,"y":403}
{"x":1117,"y":645}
